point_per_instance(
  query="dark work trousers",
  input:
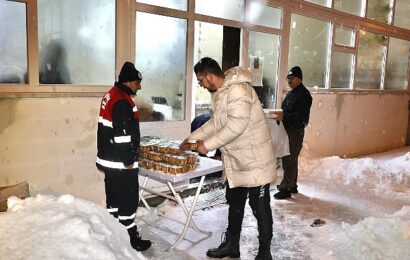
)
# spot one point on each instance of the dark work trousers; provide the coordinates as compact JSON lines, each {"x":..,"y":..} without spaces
{"x":259,"y":200}
{"x":122,"y":196}
{"x":290,"y":162}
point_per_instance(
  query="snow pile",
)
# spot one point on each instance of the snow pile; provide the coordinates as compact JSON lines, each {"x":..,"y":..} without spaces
{"x":356,"y":198}
{"x":377,"y":238}
{"x":381,"y":175}
{"x":47,"y":227}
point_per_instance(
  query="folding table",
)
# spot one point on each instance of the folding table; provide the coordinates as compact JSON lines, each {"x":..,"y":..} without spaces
{"x":204,"y":167}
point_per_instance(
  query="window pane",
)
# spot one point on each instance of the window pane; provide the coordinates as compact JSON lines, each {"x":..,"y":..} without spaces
{"x":397,"y":64}
{"x":308,"y":48}
{"x":379,"y":10}
{"x":174,"y":4}
{"x":161,"y":58}
{"x":263,"y":63}
{"x":13,"y":42}
{"x":77,"y":41}
{"x":262,"y":14}
{"x":223,"y":44}
{"x":326,"y":3}
{"x":344,"y":37}
{"x":342,"y":68}
{"x":229,"y":9}
{"x":401,"y":14}
{"x":208,"y":43}
{"x":355,"y":7}
{"x":370,"y":55}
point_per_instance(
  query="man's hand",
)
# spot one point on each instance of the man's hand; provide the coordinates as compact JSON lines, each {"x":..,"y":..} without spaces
{"x":184,"y":144}
{"x":201,"y":147}
{"x":129,"y":167}
{"x":278,"y":115}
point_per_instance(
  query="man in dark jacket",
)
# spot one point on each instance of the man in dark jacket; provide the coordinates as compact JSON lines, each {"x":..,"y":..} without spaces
{"x":295,"y":116}
{"x":118,"y":140}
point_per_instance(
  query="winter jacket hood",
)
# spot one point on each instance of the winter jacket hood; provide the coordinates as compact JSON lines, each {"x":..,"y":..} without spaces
{"x":237,"y":75}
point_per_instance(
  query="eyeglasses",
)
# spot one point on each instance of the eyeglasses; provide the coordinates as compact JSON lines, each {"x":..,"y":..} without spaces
{"x":200,"y":80}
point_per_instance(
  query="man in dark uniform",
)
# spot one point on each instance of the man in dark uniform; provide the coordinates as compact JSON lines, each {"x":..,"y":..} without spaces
{"x":118,"y":140}
{"x":295,"y":116}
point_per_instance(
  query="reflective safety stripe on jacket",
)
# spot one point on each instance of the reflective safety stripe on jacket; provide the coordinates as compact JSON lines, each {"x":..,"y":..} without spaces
{"x":114,"y":165}
{"x":118,"y":134}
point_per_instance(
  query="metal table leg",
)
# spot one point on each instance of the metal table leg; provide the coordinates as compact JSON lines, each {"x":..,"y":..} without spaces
{"x":141,"y":196}
{"x":189,"y":214}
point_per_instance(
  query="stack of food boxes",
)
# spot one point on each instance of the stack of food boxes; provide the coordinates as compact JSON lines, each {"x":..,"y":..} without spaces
{"x":165,"y":155}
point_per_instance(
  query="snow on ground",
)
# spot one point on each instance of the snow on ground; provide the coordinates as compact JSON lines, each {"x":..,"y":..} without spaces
{"x":47,"y":227}
{"x":365,"y":203}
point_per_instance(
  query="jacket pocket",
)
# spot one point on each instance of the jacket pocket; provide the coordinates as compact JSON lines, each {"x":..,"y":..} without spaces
{"x":263,"y":152}
{"x":241,"y":155}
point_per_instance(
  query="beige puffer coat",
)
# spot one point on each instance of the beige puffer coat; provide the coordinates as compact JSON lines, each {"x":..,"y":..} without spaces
{"x":239,"y":129}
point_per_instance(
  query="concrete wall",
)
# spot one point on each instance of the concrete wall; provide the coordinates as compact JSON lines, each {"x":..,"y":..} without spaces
{"x":355,"y":124}
{"x":50,"y":142}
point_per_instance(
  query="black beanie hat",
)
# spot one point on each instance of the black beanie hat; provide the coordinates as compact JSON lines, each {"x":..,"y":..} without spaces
{"x":129,"y":73}
{"x":296,"y":72}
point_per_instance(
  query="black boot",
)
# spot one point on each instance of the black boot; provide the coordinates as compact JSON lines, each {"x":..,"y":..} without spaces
{"x":264,"y":251}
{"x":229,"y":247}
{"x":136,"y":241}
{"x":282,"y":194}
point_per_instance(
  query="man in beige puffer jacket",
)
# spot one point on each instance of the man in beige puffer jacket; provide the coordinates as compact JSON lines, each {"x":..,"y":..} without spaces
{"x":238,"y":128}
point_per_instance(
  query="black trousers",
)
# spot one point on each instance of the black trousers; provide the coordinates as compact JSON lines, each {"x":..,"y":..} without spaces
{"x":259,"y":200}
{"x":122,"y":195}
{"x":290,"y":162}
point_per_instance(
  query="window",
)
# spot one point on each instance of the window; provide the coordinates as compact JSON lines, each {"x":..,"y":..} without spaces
{"x":174,"y":4}
{"x":326,"y":3}
{"x":261,"y":14}
{"x":222,"y":43}
{"x":208,"y":43}
{"x":161,"y":58}
{"x":343,"y":58}
{"x":263,"y":63}
{"x":228,"y":9}
{"x":379,"y":10}
{"x":355,"y":7}
{"x":397,"y":64}
{"x":76,"y":42}
{"x":371,"y":52}
{"x":344,"y":37}
{"x":401,"y":14}
{"x":342,"y":70}
{"x":13,"y":42}
{"x":309,"y":48}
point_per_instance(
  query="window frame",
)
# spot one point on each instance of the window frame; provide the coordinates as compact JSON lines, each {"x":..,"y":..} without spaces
{"x":34,"y":88}
{"x":125,"y":42}
{"x":342,"y":49}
